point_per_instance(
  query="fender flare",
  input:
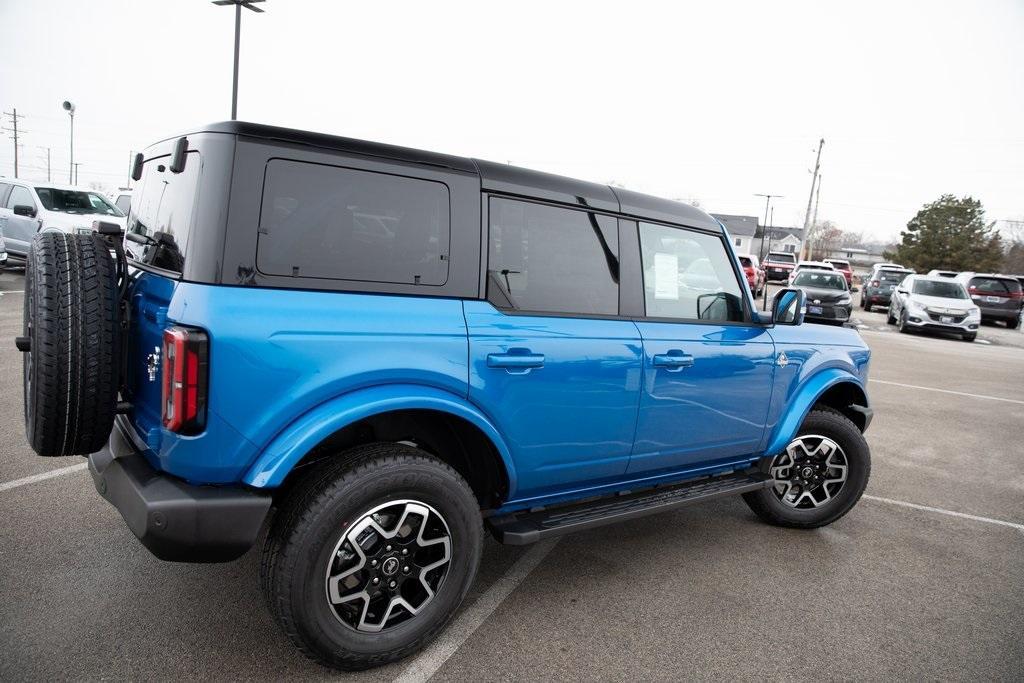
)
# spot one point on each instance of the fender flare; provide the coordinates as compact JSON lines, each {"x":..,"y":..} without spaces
{"x":800,"y":404}
{"x":292,"y":444}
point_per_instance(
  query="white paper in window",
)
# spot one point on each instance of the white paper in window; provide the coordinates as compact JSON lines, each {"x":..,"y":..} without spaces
{"x":666,"y":276}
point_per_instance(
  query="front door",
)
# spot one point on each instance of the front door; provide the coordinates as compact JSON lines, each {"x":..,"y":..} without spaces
{"x":549,"y":361}
{"x":708,"y":371}
{"x":19,"y":230}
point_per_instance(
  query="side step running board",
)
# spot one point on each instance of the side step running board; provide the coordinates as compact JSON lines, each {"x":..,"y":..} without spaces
{"x":521,"y":528}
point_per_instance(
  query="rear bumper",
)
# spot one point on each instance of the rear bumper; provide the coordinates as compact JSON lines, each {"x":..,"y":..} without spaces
{"x":175,"y":520}
{"x":1004,"y":314}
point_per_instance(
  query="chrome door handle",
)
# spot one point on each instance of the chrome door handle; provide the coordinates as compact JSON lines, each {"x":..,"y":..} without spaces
{"x":674,"y":360}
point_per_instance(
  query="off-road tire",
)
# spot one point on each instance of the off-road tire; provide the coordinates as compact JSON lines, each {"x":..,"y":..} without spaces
{"x":309,"y":523}
{"x":836,"y":426}
{"x":71,"y":319}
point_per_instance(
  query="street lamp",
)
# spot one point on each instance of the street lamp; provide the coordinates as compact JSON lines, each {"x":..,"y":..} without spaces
{"x":239,"y":4}
{"x":69,"y":107}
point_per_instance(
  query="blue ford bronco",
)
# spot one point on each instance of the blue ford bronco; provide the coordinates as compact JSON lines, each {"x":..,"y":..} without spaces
{"x":368,"y":355}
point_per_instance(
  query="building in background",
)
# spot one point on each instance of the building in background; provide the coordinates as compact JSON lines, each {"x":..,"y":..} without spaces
{"x":788,"y":240}
{"x":742,"y":230}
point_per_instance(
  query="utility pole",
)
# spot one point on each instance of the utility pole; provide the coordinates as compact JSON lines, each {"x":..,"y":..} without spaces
{"x":239,"y":4}
{"x":767,"y":200}
{"x":131,"y":162}
{"x":47,"y":161}
{"x":814,"y":182}
{"x":69,"y":107}
{"x":76,"y":164}
{"x":14,"y":129}
{"x":814,"y":221}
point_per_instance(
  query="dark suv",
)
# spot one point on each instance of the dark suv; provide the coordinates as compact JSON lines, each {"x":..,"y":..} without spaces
{"x":998,"y":296}
{"x":395,"y":350}
{"x":878,"y":286}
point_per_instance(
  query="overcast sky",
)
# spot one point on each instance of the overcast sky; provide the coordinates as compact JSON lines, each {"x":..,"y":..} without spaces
{"x":712,"y":101}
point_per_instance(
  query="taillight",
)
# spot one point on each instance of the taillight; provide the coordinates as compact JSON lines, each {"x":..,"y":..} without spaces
{"x":186,"y":357}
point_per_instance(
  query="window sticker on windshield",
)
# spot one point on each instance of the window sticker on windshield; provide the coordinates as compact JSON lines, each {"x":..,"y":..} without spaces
{"x":666,"y":276}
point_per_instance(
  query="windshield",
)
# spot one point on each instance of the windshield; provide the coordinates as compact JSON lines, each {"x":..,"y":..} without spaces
{"x":840,"y":265}
{"x":781,"y":257}
{"x":819,"y":279}
{"x":745,"y":262}
{"x":946,"y":290}
{"x":76,"y":201}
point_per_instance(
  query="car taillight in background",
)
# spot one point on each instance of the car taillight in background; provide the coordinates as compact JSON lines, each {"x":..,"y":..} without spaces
{"x":186,"y":358}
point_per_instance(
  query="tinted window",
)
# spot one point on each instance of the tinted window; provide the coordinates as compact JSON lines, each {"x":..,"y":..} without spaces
{"x":988,"y":285}
{"x":891,"y":275}
{"x":161,"y":216}
{"x":543,"y":258}
{"x":688,"y":275}
{"x":344,"y":224}
{"x":745,"y":262}
{"x":20,"y":197}
{"x":946,"y":290}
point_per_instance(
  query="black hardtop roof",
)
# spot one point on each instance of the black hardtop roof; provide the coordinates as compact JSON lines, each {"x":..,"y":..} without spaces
{"x":493,"y":176}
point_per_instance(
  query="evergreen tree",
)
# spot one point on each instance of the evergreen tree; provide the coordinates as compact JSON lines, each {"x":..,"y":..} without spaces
{"x":950,"y":234}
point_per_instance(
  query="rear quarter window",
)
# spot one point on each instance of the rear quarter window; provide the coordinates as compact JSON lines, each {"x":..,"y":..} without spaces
{"x":340,"y":223}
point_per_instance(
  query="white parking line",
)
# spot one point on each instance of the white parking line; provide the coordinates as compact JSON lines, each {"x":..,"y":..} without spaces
{"x":42,"y":476}
{"x":948,"y":391}
{"x":951,"y":513}
{"x":12,"y":291}
{"x":437,"y":653}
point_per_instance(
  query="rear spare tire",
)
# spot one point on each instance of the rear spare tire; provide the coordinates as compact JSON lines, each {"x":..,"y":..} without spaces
{"x":71,"y":324}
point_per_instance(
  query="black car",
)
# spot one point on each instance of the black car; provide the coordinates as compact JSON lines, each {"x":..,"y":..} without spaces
{"x":828,"y":298}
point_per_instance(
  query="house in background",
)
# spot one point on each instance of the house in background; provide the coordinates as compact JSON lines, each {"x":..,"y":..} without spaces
{"x":789,"y":240}
{"x":743,"y":231}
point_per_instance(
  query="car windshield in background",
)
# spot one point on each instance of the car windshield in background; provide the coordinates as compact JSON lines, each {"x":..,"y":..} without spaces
{"x":820,"y":279}
{"x":892,"y":275}
{"x":842,"y":265}
{"x":782,"y":258}
{"x":995,"y":285}
{"x":76,"y":201}
{"x":946,"y":290}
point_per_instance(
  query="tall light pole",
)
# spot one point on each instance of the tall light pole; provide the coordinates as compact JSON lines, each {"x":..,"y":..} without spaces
{"x":767,"y":200}
{"x":69,"y":107}
{"x":239,"y":4}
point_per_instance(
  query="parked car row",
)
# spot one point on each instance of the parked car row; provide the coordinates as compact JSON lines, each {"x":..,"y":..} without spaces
{"x":28,"y":207}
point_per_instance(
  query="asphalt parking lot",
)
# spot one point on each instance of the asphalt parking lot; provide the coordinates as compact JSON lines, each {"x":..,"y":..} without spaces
{"x":922,"y":580}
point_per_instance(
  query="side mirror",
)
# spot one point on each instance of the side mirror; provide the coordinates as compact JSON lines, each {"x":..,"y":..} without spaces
{"x":789,"y":307}
{"x":901,"y":290}
{"x":25,"y":210}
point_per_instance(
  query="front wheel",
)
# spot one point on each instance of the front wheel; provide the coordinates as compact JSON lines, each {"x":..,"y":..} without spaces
{"x":890,"y":318}
{"x":371,"y":554}
{"x":819,"y":477}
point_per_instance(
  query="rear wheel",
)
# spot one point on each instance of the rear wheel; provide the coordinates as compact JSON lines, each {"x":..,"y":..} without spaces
{"x":71,"y":328}
{"x":969,"y":336}
{"x":890,"y":318}
{"x":369,"y":557}
{"x":819,"y":477}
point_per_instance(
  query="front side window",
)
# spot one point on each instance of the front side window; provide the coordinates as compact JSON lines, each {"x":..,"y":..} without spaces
{"x":347,"y":224}
{"x":554,"y":260}
{"x":946,"y":290}
{"x":124,"y":203}
{"x":688,"y":275}
{"x":20,"y":197}
{"x":76,"y":202}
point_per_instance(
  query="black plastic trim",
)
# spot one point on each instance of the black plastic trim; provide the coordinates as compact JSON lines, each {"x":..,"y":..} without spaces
{"x":175,"y":520}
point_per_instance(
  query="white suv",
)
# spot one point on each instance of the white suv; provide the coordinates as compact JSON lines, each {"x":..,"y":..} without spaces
{"x":28,"y":207}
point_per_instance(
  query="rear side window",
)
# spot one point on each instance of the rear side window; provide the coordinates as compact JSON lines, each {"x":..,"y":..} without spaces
{"x":162,"y":214}
{"x":548,"y":259}
{"x":995,"y":285}
{"x":347,"y":224}
{"x":688,"y":275}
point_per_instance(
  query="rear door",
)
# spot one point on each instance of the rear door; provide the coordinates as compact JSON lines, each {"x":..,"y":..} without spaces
{"x":551,"y":362}
{"x":708,"y":370}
